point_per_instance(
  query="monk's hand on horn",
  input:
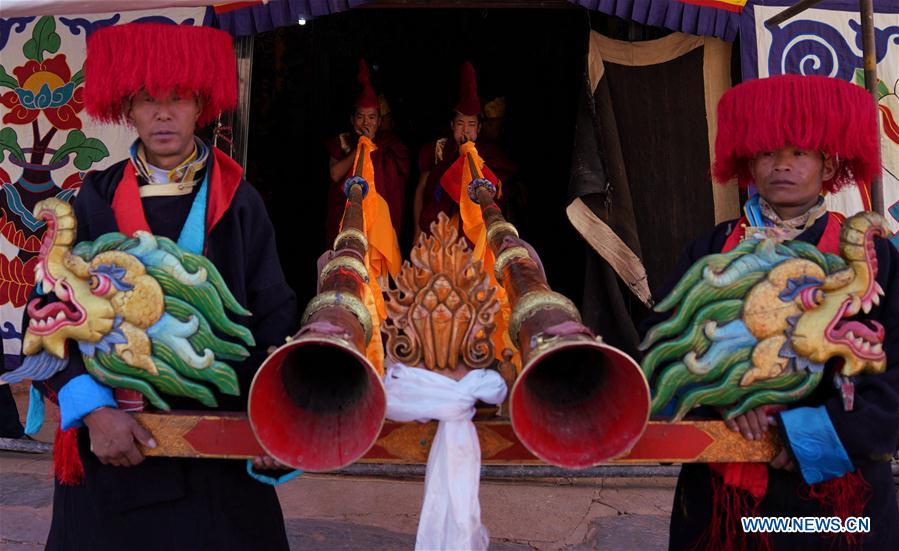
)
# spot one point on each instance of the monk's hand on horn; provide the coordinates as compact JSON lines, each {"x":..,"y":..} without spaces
{"x":114,"y":435}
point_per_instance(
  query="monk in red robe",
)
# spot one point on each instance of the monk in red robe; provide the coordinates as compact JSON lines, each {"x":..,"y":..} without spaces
{"x":390,"y":160}
{"x":438,"y":156}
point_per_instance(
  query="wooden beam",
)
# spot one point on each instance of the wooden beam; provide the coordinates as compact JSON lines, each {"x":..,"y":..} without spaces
{"x":230,"y":436}
{"x":869,"y":55}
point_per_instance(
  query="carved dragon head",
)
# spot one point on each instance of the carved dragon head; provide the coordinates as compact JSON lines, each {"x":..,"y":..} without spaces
{"x":825,"y":328}
{"x":144,"y":313}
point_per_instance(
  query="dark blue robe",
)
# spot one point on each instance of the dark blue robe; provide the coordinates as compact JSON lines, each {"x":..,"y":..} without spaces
{"x":169,"y":504}
{"x":869,"y":433}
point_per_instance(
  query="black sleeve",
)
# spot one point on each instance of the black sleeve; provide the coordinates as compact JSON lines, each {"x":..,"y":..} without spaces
{"x":80,"y":208}
{"x":872,"y":427}
{"x":75,"y":368}
{"x":272,"y":302}
{"x":93,"y":204}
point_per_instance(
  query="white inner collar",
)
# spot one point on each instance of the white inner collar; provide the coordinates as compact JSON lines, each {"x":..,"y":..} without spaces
{"x":158,"y":175}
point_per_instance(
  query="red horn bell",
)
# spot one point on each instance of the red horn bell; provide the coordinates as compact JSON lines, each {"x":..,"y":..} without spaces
{"x":317,"y":403}
{"x":577,"y":402}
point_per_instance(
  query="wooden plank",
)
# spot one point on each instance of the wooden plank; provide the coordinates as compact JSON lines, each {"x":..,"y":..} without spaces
{"x":229,"y":436}
{"x":699,"y":442}
{"x":222,"y":435}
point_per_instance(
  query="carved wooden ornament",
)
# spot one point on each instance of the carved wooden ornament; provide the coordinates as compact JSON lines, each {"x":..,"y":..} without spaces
{"x":443,"y":307}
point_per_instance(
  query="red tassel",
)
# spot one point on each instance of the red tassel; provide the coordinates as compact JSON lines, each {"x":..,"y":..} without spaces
{"x":67,"y":464}
{"x":843,"y":497}
{"x":734,"y":497}
{"x":810,"y":112}
{"x":159,"y":58}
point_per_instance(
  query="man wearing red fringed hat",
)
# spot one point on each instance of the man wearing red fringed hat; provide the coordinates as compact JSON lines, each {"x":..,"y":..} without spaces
{"x":437,"y":192}
{"x":390,"y":159}
{"x":796,"y":138}
{"x":165,"y":81}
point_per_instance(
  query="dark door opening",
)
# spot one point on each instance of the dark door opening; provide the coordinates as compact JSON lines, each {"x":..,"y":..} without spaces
{"x":304,"y":84}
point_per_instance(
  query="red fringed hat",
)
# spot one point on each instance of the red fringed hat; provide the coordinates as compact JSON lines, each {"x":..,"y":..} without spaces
{"x":469,"y":103}
{"x":810,"y":112}
{"x":367,"y":97}
{"x":159,"y":58}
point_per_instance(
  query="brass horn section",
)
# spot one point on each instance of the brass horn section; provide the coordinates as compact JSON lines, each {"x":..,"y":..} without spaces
{"x":577,"y":402}
{"x":317,"y":403}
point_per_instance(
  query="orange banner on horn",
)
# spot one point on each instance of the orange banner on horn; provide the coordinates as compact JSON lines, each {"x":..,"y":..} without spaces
{"x":383,"y":255}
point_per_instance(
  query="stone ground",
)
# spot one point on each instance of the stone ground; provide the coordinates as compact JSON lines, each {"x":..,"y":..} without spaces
{"x":331,"y":512}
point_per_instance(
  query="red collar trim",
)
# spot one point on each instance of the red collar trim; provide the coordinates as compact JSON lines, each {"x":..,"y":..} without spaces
{"x":829,"y":242}
{"x":223,"y":183}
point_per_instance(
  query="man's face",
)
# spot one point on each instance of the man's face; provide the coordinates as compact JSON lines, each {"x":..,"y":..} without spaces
{"x":165,"y":125}
{"x":790,"y":178}
{"x":466,"y":128}
{"x":366,"y":121}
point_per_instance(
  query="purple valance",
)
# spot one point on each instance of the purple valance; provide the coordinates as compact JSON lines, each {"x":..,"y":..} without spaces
{"x":669,"y":14}
{"x":278,"y":13}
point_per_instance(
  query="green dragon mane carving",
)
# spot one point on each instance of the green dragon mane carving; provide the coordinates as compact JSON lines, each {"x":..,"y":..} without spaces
{"x":754,"y":326}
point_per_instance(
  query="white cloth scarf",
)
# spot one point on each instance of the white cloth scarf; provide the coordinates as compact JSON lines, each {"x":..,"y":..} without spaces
{"x":451,"y":512}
